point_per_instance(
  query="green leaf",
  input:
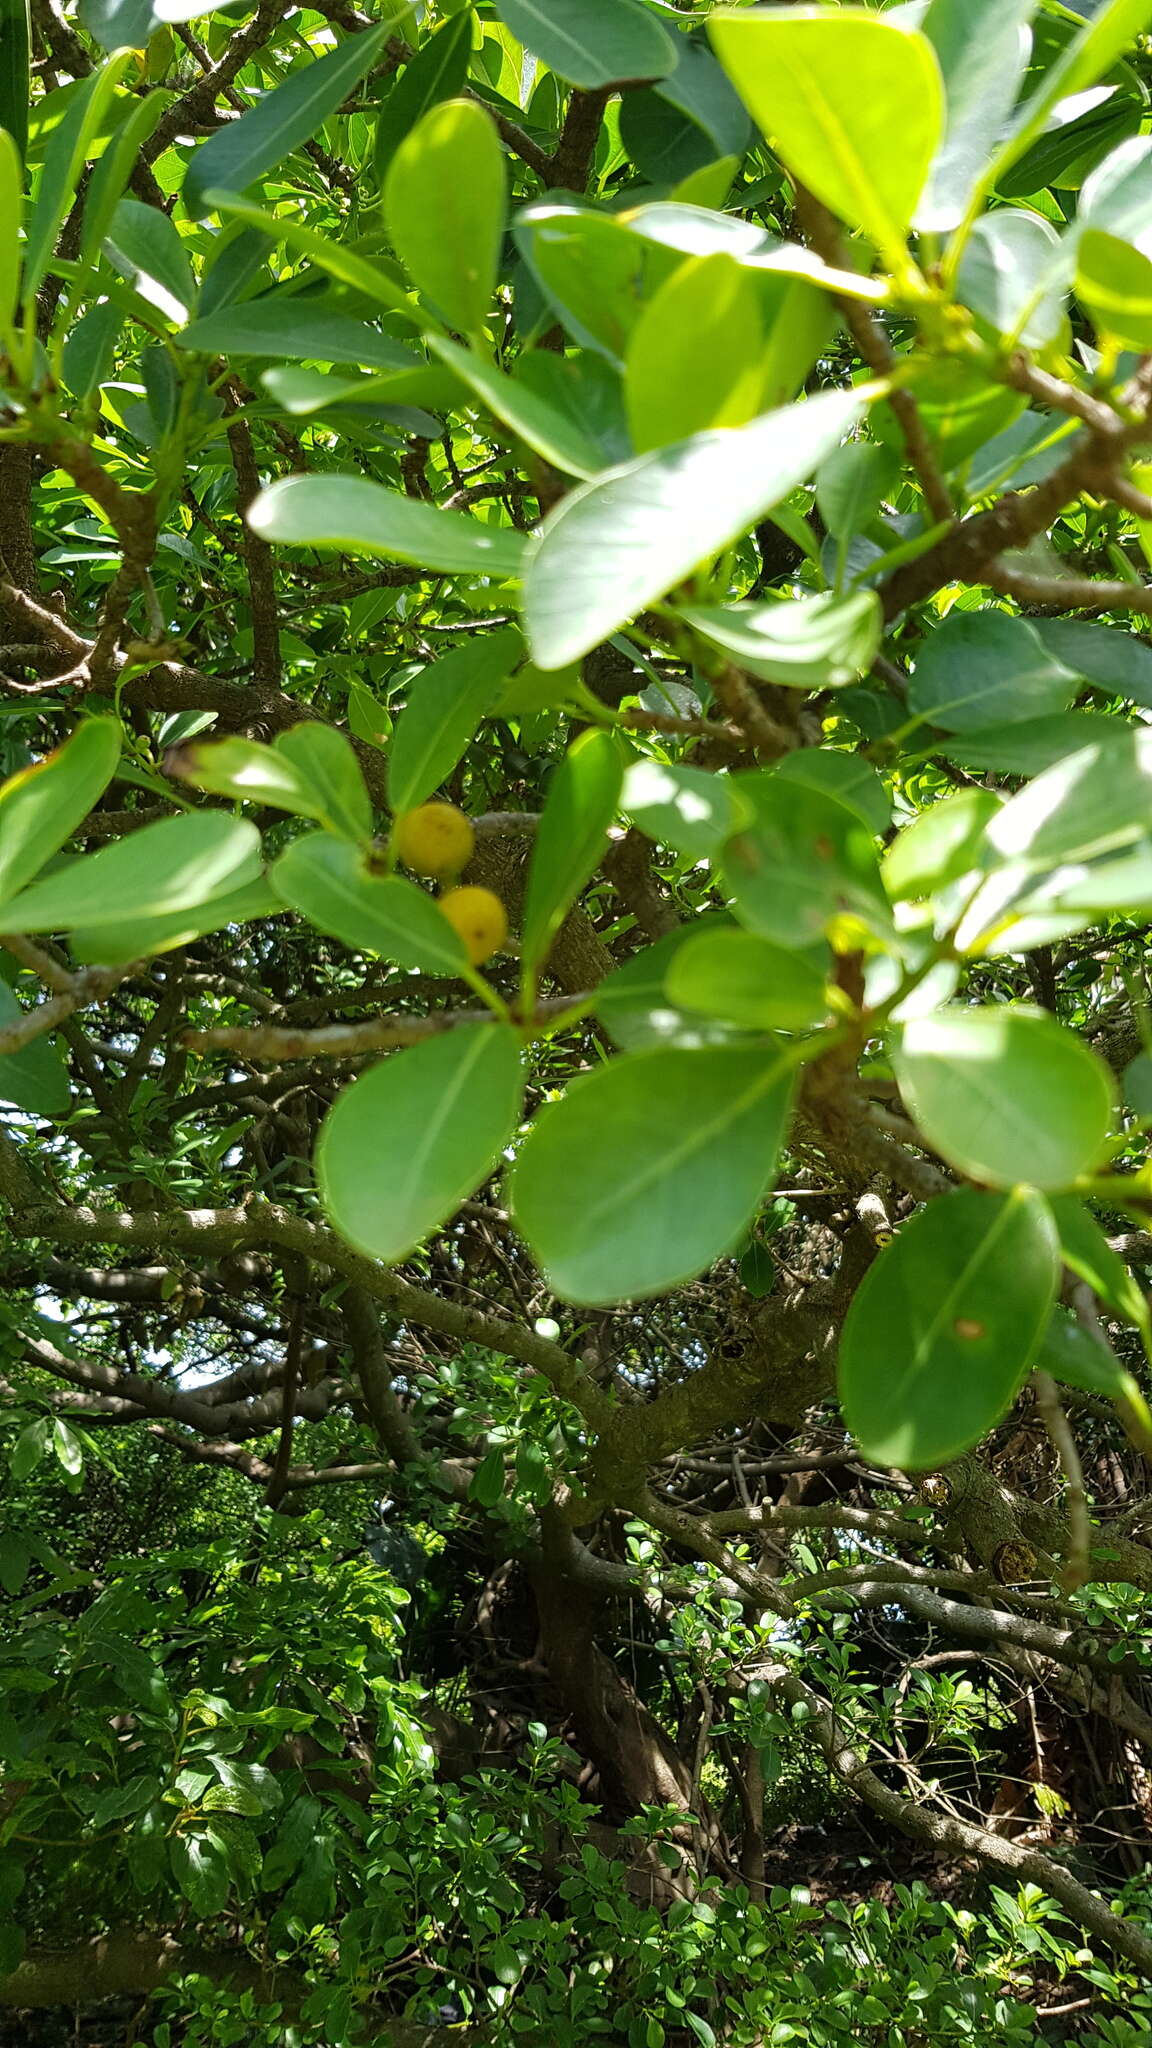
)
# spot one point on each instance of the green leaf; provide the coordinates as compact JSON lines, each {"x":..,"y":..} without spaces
{"x":633,"y":1004}
{"x":830,"y":91}
{"x":681,"y":806}
{"x":1078,"y":1359}
{"x":68,"y":1448}
{"x":943,"y":843}
{"x":359,"y":517}
{"x":1012,"y":275}
{"x":699,"y":88}
{"x":64,"y":162}
{"x":298,"y":330}
{"x":1027,"y":746}
{"x":146,"y":248}
{"x":851,"y":485}
{"x":246,"y":770}
{"x":111,"y":173}
{"x":807,"y":643}
{"x":35,"y":1077}
{"x":583,"y":798}
{"x":29,"y":1447}
{"x":1118,"y":195}
{"x":1006,"y":1094}
{"x":11,"y":217}
{"x":437,"y":72}
{"x":1114,"y":284}
{"x":708,"y":311}
{"x":1085,"y":59}
{"x":445,"y":198}
{"x":547,"y":430}
{"x":162,"y":869}
{"x":1105,"y":656}
{"x":242,"y":151}
{"x":380,"y":285}
{"x":594,"y":270}
{"x":854,"y":782}
{"x":614,"y":546}
{"x":487,"y":1485}
{"x":592,"y":42}
{"x":90,"y":348}
{"x":945,"y":1326}
{"x":650,"y":1168}
{"x":130,"y":24}
{"x":803,"y":860}
{"x":137,"y":937}
{"x":200,"y":1869}
{"x":982,"y":47}
{"x":1094,"y":802}
{"x":446,"y":703}
{"x":747,"y":980}
{"x":329,"y":882}
{"x":977,"y":667}
{"x":404,"y":1145}
{"x":41,"y":806}
{"x":1085,"y":1248}
{"x":327,"y":766}
{"x":15,"y":80}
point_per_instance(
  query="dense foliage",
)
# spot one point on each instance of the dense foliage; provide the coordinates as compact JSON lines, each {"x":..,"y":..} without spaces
{"x":574,"y":1025}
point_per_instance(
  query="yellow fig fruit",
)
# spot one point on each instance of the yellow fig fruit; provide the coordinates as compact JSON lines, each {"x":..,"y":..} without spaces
{"x":480,"y":918}
{"x":435,"y":839}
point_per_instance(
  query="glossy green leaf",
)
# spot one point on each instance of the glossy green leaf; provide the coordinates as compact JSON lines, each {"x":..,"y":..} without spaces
{"x":559,"y":439}
{"x":592,"y":42}
{"x":803,"y":860}
{"x":945,"y":1326}
{"x":700,"y":88}
{"x":359,"y":517}
{"x":64,"y":162}
{"x":650,"y":1168}
{"x":130,"y":24}
{"x":682,"y":806}
{"x":583,"y":799}
{"x":445,"y":198}
{"x":35,"y":1077}
{"x":200,"y":1869}
{"x":807,"y":643}
{"x":944,"y":842}
{"x":436,"y":72}
{"x":330,"y":883}
{"x":404,"y":1145}
{"x":146,"y":248}
{"x":1027,"y":746}
{"x":156,"y":872}
{"x":15,"y":75}
{"x":633,"y":1003}
{"x":1106,"y":656}
{"x":1084,"y":1247}
{"x":708,"y":311}
{"x":111,"y":173}
{"x":41,"y":806}
{"x":982,"y":47}
{"x":327,"y":767}
{"x":615,"y":546}
{"x":1114,"y":285}
{"x":1118,"y":195}
{"x":1011,"y":275}
{"x":852,"y":484}
{"x":1086,"y":58}
{"x":853,"y":782}
{"x":246,"y":770}
{"x":747,"y":980}
{"x":138,"y":937}
{"x":298,"y":330}
{"x":1078,"y":1359}
{"x":242,"y":151}
{"x":1095,"y":802}
{"x":980,"y":667}
{"x":380,"y":284}
{"x":1006,"y":1094}
{"x":446,"y":703}
{"x":11,"y":217}
{"x":595,"y":272}
{"x":830,"y":90}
